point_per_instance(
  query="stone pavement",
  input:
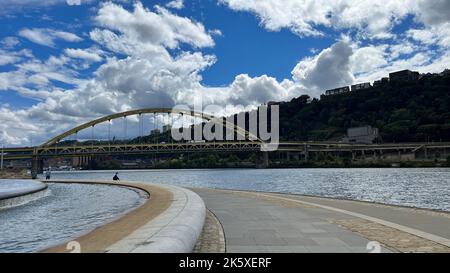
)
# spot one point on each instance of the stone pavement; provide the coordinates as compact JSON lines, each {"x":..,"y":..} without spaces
{"x":254,"y":222}
{"x":253,"y":225}
{"x":212,"y":239}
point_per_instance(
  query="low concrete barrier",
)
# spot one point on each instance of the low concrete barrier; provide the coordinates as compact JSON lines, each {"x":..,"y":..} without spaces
{"x":171,"y":228}
{"x":174,"y":231}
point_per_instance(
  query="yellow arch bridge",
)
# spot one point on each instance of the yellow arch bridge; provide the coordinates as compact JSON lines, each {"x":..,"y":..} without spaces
{"x":57,"y":147}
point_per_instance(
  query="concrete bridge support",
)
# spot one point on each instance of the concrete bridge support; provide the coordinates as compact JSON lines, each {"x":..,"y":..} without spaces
{"x":262,"y":160}
{"x":265,"y":159}
{"x":37,"y":167}
{"x":306,"y":151}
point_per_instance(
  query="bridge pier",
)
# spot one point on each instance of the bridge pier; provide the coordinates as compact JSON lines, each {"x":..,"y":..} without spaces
{"x":306,"y":151}
{"x":262,"y":160}
{"x":36,"y":167}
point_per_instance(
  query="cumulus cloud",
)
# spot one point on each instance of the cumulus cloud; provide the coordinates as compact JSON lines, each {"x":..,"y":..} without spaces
{"x":330,"y":68}
{"x":370,"y":19}
{"x":367,"y":58}
{"x":148,"y":75}
{"x":47,"y":36}
{"x":158,"y":28}
{"x":306,"y":17}
{"x":176,"y":4}
{"x":13,"y":126}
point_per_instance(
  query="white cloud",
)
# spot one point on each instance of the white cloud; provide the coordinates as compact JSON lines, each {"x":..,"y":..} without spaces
{"x":35,"y":78}
{"x":330,"y":68}
{"x":371,"y":19}
{"x":8,"y":58}
{"x":149,"y":76}
{"x":405,"y":48}
{"x":83,"y":54}
{"x":13,"y":125}
{"x":66,"y":36}
{"x":305,"y":17}
{"x":175,"y":4}
{"x":158,"y":28}
{"x":9,"y":42}
{"x":12,"y":57}
{"x":368,"y":58}
{"x":47,"y":37}
{"x":434,"y":35}
{"x":73,"y":2}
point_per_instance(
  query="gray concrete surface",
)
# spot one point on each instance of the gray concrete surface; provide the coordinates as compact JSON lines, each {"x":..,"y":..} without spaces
{"x":174,"y":231}
{"x":437,"y":223}
{"x":254,"y":225}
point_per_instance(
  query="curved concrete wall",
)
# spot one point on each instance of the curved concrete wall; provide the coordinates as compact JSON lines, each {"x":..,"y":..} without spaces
{"x":174,"y":231}
{"x":22,"y":196}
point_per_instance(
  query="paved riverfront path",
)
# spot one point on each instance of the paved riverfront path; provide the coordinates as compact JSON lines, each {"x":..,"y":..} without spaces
{"x":263,"y":222}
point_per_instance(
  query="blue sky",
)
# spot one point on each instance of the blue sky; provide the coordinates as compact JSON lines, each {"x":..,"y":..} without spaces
{"x":68,"y":61}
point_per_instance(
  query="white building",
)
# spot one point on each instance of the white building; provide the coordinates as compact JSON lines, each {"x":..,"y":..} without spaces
{"x":361,"y":86}
{"x":361,"y":135}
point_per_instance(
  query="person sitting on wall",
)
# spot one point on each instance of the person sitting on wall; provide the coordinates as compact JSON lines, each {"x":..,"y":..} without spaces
{"x":116,"y":177}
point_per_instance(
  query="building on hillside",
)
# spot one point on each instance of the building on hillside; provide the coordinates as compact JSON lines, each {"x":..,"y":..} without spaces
{"x":381,"y":82}
{"x":404,"y":76}
{"x":155,"y":132}
{"x":361,"y":135}
{"x":336,"y":91}
{"x":361,"y":86}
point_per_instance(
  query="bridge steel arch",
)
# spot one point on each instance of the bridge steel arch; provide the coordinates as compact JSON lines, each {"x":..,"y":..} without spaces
{"x":207,"y":117}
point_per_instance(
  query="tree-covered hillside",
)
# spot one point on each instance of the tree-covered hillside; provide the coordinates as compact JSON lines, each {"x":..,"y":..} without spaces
{"x":403,"y":112}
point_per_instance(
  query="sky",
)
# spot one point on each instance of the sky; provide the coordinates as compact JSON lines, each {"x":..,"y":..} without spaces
{"x":66,"y":62}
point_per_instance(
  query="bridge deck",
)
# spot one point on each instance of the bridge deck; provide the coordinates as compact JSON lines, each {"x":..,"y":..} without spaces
{"x":145,"y":148}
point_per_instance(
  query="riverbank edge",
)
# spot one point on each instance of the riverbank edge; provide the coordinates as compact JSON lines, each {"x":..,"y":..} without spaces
{"x":170,"y":221}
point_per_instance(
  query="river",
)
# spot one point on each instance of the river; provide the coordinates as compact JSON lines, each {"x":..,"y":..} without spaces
{"x":423,"y":188}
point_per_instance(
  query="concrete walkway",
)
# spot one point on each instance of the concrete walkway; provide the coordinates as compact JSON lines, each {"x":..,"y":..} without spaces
{"x":428,"y":221}
{"x":254,"y":222}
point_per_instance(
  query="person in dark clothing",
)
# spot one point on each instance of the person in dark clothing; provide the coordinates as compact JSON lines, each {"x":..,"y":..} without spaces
{"x":116,"y":177}
{"x":48,"y":174}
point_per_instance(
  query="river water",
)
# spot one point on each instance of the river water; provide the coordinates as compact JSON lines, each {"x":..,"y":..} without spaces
{"x":68,"y":211}
{"x":423,"y":188}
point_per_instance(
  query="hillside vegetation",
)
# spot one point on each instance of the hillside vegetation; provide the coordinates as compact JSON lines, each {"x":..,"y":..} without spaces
{"x":403,"y":112}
